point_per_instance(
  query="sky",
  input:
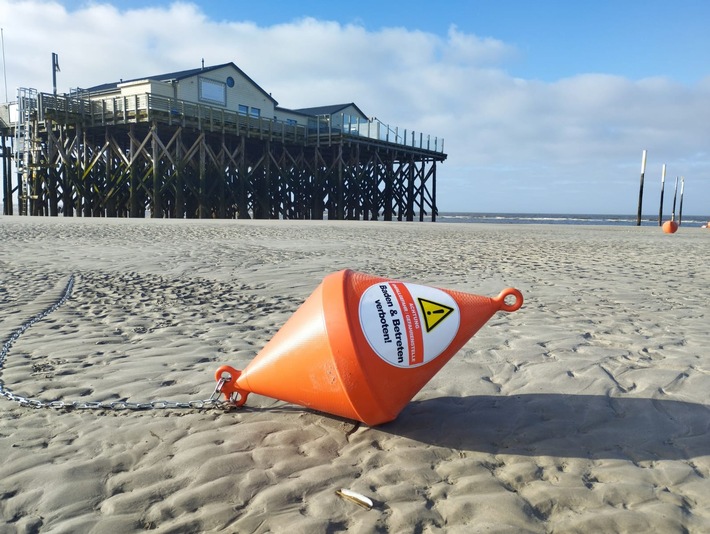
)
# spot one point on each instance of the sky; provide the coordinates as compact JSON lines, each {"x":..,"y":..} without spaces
{"x":544,"y":106}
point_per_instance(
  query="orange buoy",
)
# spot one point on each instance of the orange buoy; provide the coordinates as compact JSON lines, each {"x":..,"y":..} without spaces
{"x":670,"y":227}
{"x":362,"y":346}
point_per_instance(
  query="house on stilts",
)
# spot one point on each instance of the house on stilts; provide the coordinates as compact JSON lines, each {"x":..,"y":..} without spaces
{"x":208,"y":142}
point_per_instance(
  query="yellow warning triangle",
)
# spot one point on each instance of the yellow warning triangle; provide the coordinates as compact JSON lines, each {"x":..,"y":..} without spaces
{"x":433,"y":312}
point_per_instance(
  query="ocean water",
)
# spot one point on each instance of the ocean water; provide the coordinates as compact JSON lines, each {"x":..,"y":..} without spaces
{"x":559,"y":218}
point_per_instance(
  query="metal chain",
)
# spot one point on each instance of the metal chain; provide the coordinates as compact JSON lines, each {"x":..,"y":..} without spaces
{"x":212,"y":402}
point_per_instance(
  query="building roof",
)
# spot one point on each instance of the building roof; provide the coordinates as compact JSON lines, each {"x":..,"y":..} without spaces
{"x":178,"y":75}
{"x":328,"y":110}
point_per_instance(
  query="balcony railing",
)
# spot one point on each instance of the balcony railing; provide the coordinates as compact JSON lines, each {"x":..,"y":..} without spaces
{"x":147,"y":107}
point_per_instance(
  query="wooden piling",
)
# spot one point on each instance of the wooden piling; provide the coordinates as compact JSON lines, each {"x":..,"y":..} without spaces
{"x":680,"y":208}
{"x":7,"y":190}
{"x":643,"y":171}
{"x":675,"y":194}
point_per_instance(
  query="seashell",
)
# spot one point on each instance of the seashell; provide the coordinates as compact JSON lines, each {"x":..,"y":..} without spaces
{"x":355,"y":497}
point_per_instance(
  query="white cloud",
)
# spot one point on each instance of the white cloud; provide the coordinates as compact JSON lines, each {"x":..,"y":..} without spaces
{"x":514,"y":144}
{"x":470,"y":49}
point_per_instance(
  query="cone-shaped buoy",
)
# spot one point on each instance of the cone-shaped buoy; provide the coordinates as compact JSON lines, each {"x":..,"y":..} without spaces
{"x":670,"y":227}
{"x":362,"y":346}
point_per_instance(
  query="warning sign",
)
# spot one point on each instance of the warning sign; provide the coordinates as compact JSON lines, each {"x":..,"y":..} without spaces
{"x":434,"y":313}
{"x":408,"y":325}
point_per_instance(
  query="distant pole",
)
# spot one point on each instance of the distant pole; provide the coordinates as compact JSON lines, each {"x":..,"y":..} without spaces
{"x":680,"y":208}
{"x":643,"y":171}
{"x":663,"y":185}
{"x":675,"y":194}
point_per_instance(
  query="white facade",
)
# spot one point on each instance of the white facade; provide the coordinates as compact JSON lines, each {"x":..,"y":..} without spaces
{"x":141,"y":87}
{"x":224,"y":86}
{"x":290,"y":116}
{"x":228,"y":87}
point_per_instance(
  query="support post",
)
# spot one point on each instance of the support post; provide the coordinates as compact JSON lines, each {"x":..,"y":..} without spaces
{"x":53,"y":181}
{"x":434,"y":209}
{"x":132,"y":176}
{"x":340,"y":186}
{"x":202,"y":181}
{"x":409,"y":202}
{"x":179,"y":177}
{"x":6,"y":180}
{"x":157,"y":207}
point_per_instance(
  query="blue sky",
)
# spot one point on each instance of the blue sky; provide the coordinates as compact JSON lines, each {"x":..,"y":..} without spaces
{"x":545,"y":106}
{"x":553,"y":38}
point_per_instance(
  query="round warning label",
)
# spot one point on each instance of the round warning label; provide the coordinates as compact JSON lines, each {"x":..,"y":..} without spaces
{"x":408,"y":325}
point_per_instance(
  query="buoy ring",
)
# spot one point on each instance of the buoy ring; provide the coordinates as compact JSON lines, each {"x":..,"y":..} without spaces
{"x":505,"y":302}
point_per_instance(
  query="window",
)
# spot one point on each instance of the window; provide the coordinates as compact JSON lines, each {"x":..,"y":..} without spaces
{"x":291,"y":122}
{"x":243,"y":110}
{"x":255,"y":112}
{"x":212,"y":91}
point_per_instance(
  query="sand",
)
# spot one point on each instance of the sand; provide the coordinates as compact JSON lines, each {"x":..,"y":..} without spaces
{"x":586,"y":410}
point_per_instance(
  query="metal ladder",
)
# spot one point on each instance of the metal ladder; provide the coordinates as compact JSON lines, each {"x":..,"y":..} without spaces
{"x":24,"y":143}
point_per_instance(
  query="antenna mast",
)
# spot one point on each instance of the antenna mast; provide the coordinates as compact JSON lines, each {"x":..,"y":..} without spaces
{"x":4,"y":72}
{"x":55,"y":69}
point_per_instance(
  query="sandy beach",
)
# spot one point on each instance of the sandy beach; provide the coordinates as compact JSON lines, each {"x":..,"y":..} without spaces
{"x":587,"y":410}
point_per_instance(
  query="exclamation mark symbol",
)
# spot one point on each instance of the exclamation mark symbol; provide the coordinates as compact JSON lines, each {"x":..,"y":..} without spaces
{"x":434,"y":312}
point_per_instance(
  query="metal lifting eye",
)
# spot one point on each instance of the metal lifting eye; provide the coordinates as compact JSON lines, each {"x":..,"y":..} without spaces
{"x":226,"y":377}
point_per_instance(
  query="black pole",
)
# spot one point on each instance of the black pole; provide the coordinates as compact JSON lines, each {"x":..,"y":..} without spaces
{"x":663,"y":185}
{"x":643,"y":171}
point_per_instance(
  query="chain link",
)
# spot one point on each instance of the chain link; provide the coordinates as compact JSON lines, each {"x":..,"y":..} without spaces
{"x":211,"y":403}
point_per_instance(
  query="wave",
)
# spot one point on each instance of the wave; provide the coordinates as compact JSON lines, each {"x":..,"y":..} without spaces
{"x":559,"y":218}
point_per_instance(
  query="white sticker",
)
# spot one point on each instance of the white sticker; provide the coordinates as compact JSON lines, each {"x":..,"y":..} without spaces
{"x":408,"y":325}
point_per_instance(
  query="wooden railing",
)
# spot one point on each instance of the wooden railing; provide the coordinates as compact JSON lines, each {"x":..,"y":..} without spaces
{"x":148,"y":108}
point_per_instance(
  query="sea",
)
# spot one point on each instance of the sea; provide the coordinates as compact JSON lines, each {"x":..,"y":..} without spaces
{"x":560,"y":218}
